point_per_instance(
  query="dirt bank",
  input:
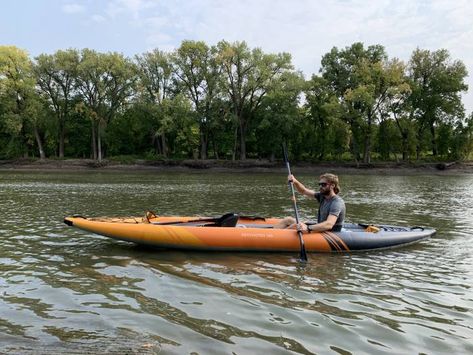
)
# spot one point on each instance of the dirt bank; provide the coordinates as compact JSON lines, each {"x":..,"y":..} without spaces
{"x":249,"y":166}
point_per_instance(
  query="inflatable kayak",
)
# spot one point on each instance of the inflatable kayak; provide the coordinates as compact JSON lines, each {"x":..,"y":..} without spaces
{"x":232,"y":232}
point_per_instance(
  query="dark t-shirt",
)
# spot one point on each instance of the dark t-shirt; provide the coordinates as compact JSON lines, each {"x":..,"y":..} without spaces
{"x":334,"y":206}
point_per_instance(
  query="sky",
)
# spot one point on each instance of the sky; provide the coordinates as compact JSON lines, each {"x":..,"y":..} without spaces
{"x":307,"y":29}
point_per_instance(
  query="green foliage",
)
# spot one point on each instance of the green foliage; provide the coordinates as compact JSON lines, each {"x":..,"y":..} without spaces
{"x":56,"y":76}
{"x":437,"y":84}
{"x":365,"y":82}
{"x":462,"y":140}
{"x":228,"y":101}
{"x":327,"y":133}
{"x":199,"y":77}
{"x":79,"y":135}
{"x":389,"y":141}
{"x":279,"y":115}
{"x":248,"y":77}
{"x":21,"y":107}
{"x":105,"y":84}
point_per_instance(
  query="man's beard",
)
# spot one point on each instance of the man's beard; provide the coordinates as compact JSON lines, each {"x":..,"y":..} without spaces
{"x":325,"y":192}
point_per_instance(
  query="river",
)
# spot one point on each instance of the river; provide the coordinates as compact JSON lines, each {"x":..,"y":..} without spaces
{"x":63,"y":290}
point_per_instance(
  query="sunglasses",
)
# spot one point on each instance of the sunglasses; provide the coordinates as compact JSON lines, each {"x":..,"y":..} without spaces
{"x":323,"y":184}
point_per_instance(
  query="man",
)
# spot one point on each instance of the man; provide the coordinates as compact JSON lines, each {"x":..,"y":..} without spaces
{"x":331,"y":212}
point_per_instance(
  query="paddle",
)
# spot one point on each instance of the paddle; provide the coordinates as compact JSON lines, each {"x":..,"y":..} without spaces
{"x":303,"y":254}
{"x":224,"y":221}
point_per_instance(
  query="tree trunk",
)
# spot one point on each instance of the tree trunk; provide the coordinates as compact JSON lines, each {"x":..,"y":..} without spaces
{"x":242,"y":139}
{"x":214,"y":145}
{"x":42,"y":155}
{"x":367,"y":150}
{"x":164,"y":145}
{"x":99,"y":143}
{"x":367,"y":147}
{"x":61,"y":137}
{"x":420,"y":132}
{"x":354,"y":144}
{"x":367,"y":153}
{"x":203,"y":143}
{"x":235,"y":142}
{"x":405,"y":147}
{"x":93,"y":143}
{"x":434,"y":141}
{"x":155,"y":144}
{"x":418,"y":147}
{"x":404,"y":139}
{"x":242,"y":148}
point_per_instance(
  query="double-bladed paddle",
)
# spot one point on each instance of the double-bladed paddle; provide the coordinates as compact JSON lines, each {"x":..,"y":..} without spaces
{"x":303,"y":254}
{"x":224,"y":221}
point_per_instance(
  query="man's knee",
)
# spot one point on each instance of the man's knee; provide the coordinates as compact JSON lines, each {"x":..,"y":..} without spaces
{"x":285,"y":222}
{"x":290,"y":221}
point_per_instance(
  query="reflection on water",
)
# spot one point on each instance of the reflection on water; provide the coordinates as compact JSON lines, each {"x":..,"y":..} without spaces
{"x":64,"y":290}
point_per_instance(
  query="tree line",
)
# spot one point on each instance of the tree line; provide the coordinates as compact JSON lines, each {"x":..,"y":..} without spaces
{"x":230,"y":101}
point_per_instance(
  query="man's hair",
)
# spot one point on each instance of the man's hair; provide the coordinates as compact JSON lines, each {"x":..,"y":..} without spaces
{"x":332,"y":179}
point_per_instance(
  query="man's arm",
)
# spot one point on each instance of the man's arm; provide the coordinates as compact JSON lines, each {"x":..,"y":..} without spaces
{"x":323,"y":226}
{"x":301,"y":188}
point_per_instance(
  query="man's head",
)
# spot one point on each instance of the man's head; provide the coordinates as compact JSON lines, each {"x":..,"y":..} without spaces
{"x":329,"y":181}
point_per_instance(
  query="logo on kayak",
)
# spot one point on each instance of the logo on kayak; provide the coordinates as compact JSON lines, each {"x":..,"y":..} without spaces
{"x":257,"y":235}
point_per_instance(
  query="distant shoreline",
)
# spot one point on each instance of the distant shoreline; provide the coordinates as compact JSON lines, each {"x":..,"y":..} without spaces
{"x":248,"y":166}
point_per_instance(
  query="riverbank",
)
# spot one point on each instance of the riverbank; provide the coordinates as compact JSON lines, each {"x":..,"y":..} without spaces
{"x":249,"y":166}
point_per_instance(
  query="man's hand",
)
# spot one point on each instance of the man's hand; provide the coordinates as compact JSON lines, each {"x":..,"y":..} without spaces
{"x":301,"y":227}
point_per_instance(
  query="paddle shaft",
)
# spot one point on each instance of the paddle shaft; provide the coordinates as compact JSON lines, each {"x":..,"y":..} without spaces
{"x":303,"y":253}
{"x":217,"y":220}
{"x":212,"y":219}
{"x":189,"y":221}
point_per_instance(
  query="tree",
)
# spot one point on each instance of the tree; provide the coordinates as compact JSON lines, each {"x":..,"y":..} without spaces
{"x":463,"y":139}
{"x":363,"y":80}
{"x":280,"y":114}
{"x":56,"y":77}
{"x":388,"y":139}
{"x":324,"y":113}
{"x":155,"y":72}
{"x":179,"y":124}
{"x":21,"y":107}
{"x":396,"y":106}
{"x":249,"y":75}
{"x":106,"y":83}
{"x":199,"y":74}
{"x":437,"y":84}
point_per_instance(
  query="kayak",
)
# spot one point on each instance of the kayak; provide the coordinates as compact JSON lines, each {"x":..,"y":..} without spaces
{"x":232,"y":232}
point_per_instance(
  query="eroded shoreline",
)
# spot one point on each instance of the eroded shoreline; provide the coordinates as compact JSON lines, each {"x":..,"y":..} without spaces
{"x":246,"y":166}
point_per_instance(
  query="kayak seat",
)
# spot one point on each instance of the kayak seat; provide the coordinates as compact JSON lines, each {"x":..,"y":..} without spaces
{"x":229,"y":220}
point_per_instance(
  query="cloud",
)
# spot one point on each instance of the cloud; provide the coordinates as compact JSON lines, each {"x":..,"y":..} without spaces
{"x":98,"y":18}
{"x":73,"y":8}
{"x":133,"y":7}
{"x":308,"y":29}
{"x":305,"y":28}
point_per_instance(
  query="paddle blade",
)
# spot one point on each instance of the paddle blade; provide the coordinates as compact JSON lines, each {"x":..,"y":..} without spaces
{"x":303,"y":254}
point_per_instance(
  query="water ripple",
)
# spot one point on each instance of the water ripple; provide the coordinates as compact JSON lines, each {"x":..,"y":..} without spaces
{"x":64,"y":290}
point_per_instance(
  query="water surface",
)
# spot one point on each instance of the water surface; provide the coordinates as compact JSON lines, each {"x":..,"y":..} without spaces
{"x":67,"y":291}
